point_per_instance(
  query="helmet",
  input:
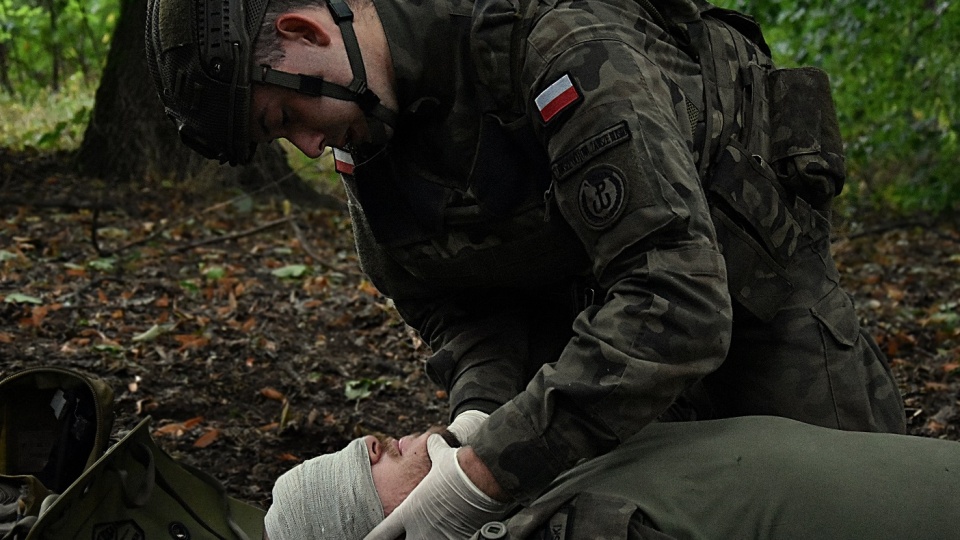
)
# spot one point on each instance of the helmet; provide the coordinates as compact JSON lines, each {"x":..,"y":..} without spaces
{"x":200,"y":55}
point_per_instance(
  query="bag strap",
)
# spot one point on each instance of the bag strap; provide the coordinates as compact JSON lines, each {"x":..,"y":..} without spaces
{"x":21,"y":529}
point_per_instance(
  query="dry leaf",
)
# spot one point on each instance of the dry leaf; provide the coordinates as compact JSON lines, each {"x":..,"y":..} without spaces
{"x":248,"y":326}
{"x":38,"y":314}
{"x":367,"y":288}
{"x":193,"y":422}
{"x":271,"y":393}
{"x":191,"y":341}
{"x":175,"y":429}
{"x":207,"y":438}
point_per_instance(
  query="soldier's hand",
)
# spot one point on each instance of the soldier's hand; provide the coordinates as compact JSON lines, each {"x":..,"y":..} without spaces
{"x":466,"y":424}
{"x":446,"y":504}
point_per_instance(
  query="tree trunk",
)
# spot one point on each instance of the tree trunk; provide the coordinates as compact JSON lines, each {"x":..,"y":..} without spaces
{"x":5,"y":69}
{"x":130,"y":140}
{"x":55,"y":51}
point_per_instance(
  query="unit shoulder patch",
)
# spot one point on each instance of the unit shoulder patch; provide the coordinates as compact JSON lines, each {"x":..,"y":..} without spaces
{"x":590,"y":148}
{"x":601,"y":197}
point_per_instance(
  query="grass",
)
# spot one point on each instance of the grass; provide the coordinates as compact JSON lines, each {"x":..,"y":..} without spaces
{"x":47,"y":120}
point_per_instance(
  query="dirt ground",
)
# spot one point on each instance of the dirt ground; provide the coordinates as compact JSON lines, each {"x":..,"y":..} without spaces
{"x":247,"y":332}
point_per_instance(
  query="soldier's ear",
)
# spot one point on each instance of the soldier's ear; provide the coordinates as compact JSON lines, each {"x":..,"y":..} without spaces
{"x":302,"y":26}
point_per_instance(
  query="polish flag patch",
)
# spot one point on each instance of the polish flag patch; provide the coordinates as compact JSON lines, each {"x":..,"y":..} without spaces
{"x":557,"y":97}
{"x":342,"y":161}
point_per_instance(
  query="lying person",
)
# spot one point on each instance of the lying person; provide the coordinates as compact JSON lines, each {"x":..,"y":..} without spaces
{"x":748,"y":477}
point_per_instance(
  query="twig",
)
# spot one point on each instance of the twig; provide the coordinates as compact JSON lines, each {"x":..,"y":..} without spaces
{"x":234,"y":236}
{"x":886,"y":228}
{"x":134,"y":244}
{"x":928,"y":225}
{"x":305,"y":246}
{"x":63,"y":203}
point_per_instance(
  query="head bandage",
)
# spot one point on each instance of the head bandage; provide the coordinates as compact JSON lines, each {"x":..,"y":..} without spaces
{"x":330,"y":496}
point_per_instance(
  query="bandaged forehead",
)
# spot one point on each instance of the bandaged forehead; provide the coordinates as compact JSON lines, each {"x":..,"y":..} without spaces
{"x":330,"y":496}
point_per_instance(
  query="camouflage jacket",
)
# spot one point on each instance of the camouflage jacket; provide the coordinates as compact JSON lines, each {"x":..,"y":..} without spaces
{"x":541,"y":145}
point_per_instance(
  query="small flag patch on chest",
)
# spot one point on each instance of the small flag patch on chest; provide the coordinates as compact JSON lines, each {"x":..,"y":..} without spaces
{"x":557,"y":97}
{"x":343,"y":161}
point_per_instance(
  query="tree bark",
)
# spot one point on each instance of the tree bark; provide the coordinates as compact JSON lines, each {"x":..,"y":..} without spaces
{"x":55,"y":50}
{"x":5,"y":69}
{"x":130,"y":140}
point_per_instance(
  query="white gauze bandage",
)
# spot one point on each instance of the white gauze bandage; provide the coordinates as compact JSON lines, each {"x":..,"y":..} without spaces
{"x":330,"y":496}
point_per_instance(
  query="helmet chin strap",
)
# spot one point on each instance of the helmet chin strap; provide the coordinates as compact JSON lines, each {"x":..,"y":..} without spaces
{"x":378,"y":116}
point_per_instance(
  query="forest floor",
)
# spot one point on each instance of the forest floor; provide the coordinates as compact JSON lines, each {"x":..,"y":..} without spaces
{"x":246,"y":330}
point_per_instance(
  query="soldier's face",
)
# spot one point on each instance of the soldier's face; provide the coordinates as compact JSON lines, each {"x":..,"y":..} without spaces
{"x":310,"y":123}
{"x":398,"y":465}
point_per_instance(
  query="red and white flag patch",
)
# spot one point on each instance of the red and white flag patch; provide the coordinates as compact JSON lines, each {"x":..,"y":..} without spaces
{"x":557,"y":97}
{"x":342,"y":161}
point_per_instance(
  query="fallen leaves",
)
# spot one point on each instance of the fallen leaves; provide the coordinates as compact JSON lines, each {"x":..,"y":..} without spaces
{"x":207,"y":438}
{"x":272,"y":393}
{"x":179,"y":429}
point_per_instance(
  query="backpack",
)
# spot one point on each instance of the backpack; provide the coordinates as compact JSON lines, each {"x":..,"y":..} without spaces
{"x":137,"y":491}
{"x":56,"y":480}
{"x":54,"y":423}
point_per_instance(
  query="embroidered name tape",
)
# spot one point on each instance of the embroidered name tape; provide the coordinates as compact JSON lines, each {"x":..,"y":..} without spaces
{"x":342,"y":161}
{"x":557,"y":97}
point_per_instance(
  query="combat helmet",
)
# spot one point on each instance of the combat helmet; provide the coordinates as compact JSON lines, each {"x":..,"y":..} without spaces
{"x":200,"y":56}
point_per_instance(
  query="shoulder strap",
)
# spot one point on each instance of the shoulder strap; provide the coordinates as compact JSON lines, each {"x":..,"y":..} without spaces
{"x":714,"y":31}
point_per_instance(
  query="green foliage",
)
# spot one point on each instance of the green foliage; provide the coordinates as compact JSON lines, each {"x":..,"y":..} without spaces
{"x":53,"y":53}
{"x":895,"y":76}
{"x":48,"y":41}
{"x":50,"y":120}
{"x":291,"y":271}
{"x":359,"y":389}
{"x":18,"y":298}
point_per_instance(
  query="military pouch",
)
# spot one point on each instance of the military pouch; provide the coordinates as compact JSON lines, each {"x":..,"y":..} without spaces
{"x":807,"y":150}
{"x":758,"y":230}
{"x":54,"y":424}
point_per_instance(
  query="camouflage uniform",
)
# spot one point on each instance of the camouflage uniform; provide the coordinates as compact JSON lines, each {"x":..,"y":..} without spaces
{"x":753,"y":477}
{"x":574,"y":264}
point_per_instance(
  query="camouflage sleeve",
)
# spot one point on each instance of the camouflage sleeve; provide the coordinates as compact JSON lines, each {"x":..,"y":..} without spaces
{"x":604,"y":100}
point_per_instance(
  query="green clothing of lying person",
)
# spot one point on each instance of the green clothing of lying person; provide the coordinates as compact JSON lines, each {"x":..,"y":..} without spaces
{"x":748,"y":477}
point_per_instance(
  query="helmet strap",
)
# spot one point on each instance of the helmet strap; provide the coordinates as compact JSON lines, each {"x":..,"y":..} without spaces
{"x":357,"y":91}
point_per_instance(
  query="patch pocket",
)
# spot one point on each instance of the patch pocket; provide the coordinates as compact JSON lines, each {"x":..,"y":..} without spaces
{"x":836,"y":313}
{"x":757,"y":233}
